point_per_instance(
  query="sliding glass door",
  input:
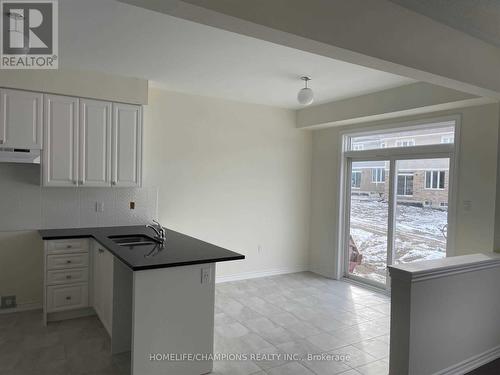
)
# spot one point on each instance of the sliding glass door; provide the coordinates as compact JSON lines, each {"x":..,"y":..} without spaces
{"x":369,"y":210}
{"x":397,"y":200}
{"x":421,"y":222}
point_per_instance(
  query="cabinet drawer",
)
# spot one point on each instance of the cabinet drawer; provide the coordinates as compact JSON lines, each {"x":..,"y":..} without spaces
{"x":72,"y":245}
{"x":64,"y":261}
{"x":77,"y":275}
{"x":67,"y":297}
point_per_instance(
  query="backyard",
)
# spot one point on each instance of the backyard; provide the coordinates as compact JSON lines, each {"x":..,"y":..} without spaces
{"x":420,"y":234}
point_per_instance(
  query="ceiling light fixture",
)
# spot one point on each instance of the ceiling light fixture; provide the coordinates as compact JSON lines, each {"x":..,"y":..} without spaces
{"x":305,"y":95}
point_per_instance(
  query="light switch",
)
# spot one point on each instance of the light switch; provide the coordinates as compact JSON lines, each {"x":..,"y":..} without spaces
{"x":467,"y":205}
{"x":205,"y":275}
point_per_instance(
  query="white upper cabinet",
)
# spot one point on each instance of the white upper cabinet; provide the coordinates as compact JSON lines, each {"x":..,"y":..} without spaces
{"x":20,"y":119}
{"x":60,"y":151}
{"x":85,"y":142}
{"x":127,"y":145}
{"x":95,"y":143}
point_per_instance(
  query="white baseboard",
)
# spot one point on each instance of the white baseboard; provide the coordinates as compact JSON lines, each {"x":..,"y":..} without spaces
{"x":325,"y":273}
{"x":367,"y":286}
{"x":264,"y":273}
{"x":472,"y":363}
{"x":70,"y":314}
{"x":22,"y":307}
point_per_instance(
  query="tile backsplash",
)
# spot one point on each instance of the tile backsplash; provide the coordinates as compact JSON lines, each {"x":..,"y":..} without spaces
{"x":25,"y":205}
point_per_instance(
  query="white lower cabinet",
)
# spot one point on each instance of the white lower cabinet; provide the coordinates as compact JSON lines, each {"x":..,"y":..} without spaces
{"x":65,"y":261}
{"x":102,"y":285}
{"x":57,"y":277}
{"x":66,"y":275}
{"x":68,"y":296}
{"x":78,"y":276}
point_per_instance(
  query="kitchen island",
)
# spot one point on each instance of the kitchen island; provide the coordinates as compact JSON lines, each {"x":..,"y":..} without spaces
{"x":155,"y":301}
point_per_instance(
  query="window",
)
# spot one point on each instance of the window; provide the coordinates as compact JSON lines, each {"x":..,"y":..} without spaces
{"x":378,"y":175}
{"x":357,"y":146}
{"x":356,"y":179}
{"x":434,"y":179}
{"x":447,"y":139}
{"x":419,"y":135}
{"x":405,"y":143}
{"x":405,"y":184}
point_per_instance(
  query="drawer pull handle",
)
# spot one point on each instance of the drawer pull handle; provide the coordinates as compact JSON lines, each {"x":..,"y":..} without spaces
{"x":68,"y":298}
{"x":101,"y":250}
{"x":69,"y":247}
{"x":68,"y":261}
{"x":68,"y":276}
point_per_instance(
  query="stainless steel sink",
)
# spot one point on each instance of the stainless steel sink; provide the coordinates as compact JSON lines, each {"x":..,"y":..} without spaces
{"x":133,"y":240}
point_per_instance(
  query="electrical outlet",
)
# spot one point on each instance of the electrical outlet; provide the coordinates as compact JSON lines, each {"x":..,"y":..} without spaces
{"x":259,"y":249}
{"x":8,"y":302}
{"x":132,"y":205}
{"x":99,"y":206}
{"x":205,"y":275}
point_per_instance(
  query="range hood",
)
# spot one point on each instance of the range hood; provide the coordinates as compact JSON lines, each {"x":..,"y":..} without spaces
{"x":19,"y":155}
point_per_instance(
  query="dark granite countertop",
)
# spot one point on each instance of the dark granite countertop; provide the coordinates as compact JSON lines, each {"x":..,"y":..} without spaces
{"x":179,"y":249}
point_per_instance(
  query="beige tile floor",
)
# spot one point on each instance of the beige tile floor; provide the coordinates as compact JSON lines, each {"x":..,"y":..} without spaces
{"x":299,"y":315}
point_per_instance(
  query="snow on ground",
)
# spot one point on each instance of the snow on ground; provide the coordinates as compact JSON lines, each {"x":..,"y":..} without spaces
{"x":419,"y":235}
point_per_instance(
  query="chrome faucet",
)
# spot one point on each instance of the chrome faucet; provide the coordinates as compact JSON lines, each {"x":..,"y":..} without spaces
{"x":159,"y":230}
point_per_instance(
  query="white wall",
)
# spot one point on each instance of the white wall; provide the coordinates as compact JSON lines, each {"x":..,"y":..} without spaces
{"x":234,"y":174}
{"x":475,"y":229}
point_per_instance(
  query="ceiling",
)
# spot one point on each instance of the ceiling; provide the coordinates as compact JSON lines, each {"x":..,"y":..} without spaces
{"x":179,"y":55}
{"x":479,"y":18}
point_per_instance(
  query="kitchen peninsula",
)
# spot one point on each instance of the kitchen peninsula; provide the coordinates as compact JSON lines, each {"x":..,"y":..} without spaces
{"x":153,"y":299}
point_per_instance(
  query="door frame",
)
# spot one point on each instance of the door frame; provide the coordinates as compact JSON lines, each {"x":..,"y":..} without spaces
{"x":450,"y":151}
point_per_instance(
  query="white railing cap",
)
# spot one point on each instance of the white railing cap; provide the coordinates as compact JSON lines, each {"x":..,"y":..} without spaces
{"x":430,"y":269}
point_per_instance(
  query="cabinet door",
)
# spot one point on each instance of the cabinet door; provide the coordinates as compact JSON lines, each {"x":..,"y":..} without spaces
{"x":107,"y":290}
{"x":20,"y":119}
{"x":97,"y":274}
{"x":95,"y":143}
{"x":60,"y":152}
{"x":102,"y":272}
{"x":127,"y":145}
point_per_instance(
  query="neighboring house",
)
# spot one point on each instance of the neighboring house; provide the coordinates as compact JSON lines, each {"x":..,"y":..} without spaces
{"x":419,"y":182}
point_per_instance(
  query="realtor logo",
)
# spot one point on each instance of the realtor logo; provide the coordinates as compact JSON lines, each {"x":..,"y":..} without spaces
{"x":29,"y":34}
